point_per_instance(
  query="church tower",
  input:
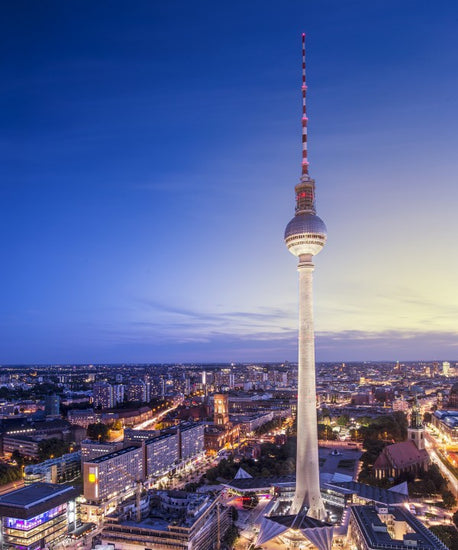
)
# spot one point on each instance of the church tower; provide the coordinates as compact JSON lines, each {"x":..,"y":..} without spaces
{"x":221,"y":415}
{"x":416,"y":430}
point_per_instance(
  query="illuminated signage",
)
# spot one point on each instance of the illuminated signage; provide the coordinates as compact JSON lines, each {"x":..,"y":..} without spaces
{"x":27,"y":524}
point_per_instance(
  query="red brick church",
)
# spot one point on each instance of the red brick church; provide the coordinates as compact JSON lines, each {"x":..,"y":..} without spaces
{"x":407,"y":456}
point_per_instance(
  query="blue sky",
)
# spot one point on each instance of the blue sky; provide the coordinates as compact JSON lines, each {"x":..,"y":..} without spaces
{"x":148,"y":157}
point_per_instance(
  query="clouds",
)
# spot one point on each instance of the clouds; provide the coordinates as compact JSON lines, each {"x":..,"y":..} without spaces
{"x":269,"y":334}
{"x":359,"y":345}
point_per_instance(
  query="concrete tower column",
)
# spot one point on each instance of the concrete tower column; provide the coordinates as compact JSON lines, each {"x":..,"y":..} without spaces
{"x":307,"y":465}
{"x":305,"y":237}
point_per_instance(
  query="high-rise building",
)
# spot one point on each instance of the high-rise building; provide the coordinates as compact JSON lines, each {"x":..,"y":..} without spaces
{"x":191,"y":440}
{"x":136,"y":391}
{"x":103,"y":395}
{"x":305,"y":236}
{"x":118,"y":394}
{"x":113,"y":475}
{"x":162,"y":454}
{"x":446,"y":368}
{"x":93,"y":449}
{"x":52,"y":405}
{"x":187,"y":385}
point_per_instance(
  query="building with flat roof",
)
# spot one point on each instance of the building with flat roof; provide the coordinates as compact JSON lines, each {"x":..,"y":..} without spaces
{"x":136,"y":391}
{"x":389,"y":528}
{"x":27,"y":445}
{"x":82,"y":417}
{"x":177,"y":520}
{"x":446,"y":423}
{"x":52,"y":405}
{"x":93,"y":449}
{"x":113,"y":475}
{"x":37,"y":516}
{"x":63,"y":469}
{"x":103,"y":395}
{"x":137,"y":436}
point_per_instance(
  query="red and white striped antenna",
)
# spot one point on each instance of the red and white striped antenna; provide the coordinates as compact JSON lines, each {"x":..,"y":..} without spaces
{"x":305,"y":163}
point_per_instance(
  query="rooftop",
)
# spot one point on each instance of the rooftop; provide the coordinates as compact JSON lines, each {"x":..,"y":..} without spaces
{"x":109,"y":456}
{"x":377,"y":536}
{"x":368,"y":492}
{"x":405,"y":454}
{"x":258,"y":483}
{"x":34,"y":499}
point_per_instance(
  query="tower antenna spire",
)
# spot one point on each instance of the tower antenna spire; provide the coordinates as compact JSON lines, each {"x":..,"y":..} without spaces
{"x":305,"y":163}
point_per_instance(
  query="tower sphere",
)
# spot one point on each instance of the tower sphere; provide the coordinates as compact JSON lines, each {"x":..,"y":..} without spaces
{"x":305,"y":234}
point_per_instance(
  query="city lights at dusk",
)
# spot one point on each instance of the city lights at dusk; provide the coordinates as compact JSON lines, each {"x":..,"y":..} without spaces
{"x":229,"y":309}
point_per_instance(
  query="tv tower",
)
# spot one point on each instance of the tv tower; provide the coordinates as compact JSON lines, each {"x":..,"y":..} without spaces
{"x":305,"y":236}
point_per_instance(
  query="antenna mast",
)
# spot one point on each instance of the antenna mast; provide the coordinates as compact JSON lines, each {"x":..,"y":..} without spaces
{"x":305,"y":163}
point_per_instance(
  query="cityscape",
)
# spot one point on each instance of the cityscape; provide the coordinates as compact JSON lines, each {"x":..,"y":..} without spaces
{"x":166,"y":380}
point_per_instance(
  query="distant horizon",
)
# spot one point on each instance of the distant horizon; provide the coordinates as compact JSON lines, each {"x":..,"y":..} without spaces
{"x":347,"y":362}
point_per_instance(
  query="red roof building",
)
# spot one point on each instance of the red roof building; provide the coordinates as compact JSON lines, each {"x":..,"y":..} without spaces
{"x":407,"y":456}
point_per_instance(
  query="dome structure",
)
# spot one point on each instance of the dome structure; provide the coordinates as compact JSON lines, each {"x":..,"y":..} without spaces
{"x":305,"y":234}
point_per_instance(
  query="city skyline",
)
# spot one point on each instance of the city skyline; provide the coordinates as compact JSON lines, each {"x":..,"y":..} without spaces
{"x":129,"y":132}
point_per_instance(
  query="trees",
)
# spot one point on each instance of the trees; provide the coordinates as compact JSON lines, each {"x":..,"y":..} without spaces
{"x":97,"y":431}
{"x":275,"y":460}
{"x":343,"y":420}
{"x":425,"y":483}
{"x":267,"y":427}
{"x":373,"y":448}
{"x":447,"y":534}
{"x":9,"y":473}
{"x":234,"y":514}
{"x":436,"y":477}
{"x":455,"y":518}
{"x":117,"y":424}
{"x":380,"y":432}
{"x":230,"y":536}
{"x":51,"y":448}
{"x":449,"y":499}
{"x":16,"y":455}
{"x":325,"y":432}
{"x":390,"y":428}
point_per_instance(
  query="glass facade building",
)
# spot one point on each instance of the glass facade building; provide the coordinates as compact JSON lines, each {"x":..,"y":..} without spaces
{"x":37,"y":516}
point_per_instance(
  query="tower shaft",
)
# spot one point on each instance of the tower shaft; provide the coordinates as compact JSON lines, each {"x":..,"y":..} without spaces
{"x":307,"y":494}
{"x":305,"y":236}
